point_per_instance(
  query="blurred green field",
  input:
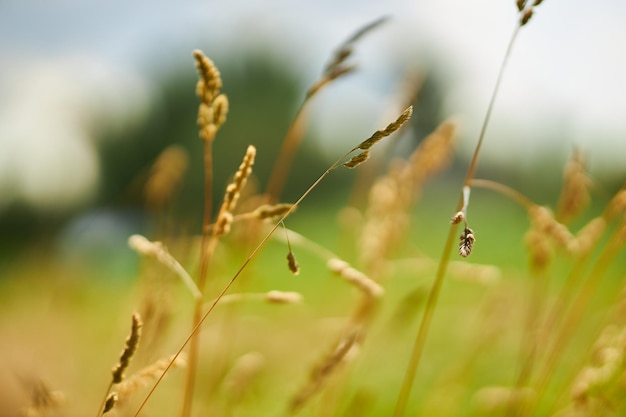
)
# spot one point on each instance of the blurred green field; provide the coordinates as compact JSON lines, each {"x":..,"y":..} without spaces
{"x":65,"y":328}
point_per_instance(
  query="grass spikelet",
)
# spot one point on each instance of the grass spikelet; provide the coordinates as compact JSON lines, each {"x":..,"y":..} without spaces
{"x":165,"y":176}
{"x":528,"y":13}
{"x":156,"y":250}
{"x":366,"y":145}
{"x":334,"y":70}
{"x":271,"y":211}
{"x":233,"y":191}
{"x":43,"y":400}
{"x":272,"y":297}
{"x":283,"y":297}
{"x":132,"y":342}
{"x":210,"y":82}
{"x":391,"y":127}
{"x":544,"y":220}
{"x":345,"y":50}
{"x":294,"y":268}
{"x":616,"y":205}
{"x":355,"y":277}
{"x":220,"y":110}
{"x":587,"y":237}
{"x":467,"y":242}
{"x":325,"y":368}
{"x":242,"y":375}
{"x":434,"y":152}
{"x":145,"y":376}
{"x":110,"y":402}
{"x":357,"y":160}
{"x":337,"y":67}
{"x":575,"y":193}
{"x":214,"y":106}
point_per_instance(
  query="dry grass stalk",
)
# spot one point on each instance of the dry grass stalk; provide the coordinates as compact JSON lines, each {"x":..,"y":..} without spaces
{"x":543,"y":219}
{"x":156,"y":250}
{"x":345,"y":349}
{"x":43,"y":400}
{"x":233,"y":191}
{"x":579,"y":305}
{"x":271,"y":211}
{"x":144,"y":377}
{"x":272,"y":297}
{"x":467,"y":242}
{"x":242,"y":375}
{"x":337,"y":66}
{"x":295,"y":134}
{"x":575,"y":193}
{"x":165,"y":176}
{"x":357,"y":278}
{"x":132,"y":342}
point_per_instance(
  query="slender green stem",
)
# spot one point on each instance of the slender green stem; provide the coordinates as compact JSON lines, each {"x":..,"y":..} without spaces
{"x":433,"y":296}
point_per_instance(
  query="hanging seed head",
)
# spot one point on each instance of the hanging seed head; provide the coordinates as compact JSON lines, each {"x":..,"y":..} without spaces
{"x":110,"y":402}
{"x":357,"y":160}
{"x":292,"y":263}
{"x":457,"y":218}
{"x":467,"y":242}
{"x":528,"y":13}
{"x":521,"y":4}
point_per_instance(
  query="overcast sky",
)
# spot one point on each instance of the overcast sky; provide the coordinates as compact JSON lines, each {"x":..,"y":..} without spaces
{"x":565,"y":84}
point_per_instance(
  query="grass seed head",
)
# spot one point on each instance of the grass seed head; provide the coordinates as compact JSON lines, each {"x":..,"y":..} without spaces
{"x":575,"y":193}
{"x":233,"y":191}
{"x":391,"y":127}
{"x":457,"y":218}
{"x":210,"y":82}
{"x":165,"y":176}
{"x":467,"y":242}
{"x":357,"y":160}
{"x":110,"y":402}
{"x":528,"y":13}
{"x":273,"y":211}
{"x":292,"y":263}
{"x":132,"y":342}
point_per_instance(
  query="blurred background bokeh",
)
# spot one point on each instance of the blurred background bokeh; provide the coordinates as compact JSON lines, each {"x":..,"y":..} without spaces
{"x":92,"y":92}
